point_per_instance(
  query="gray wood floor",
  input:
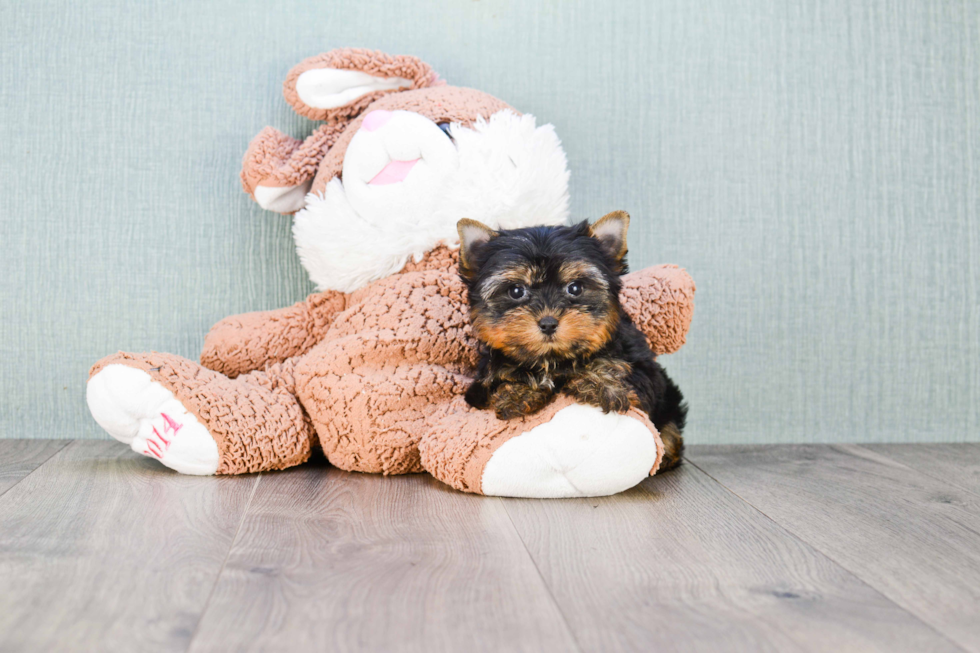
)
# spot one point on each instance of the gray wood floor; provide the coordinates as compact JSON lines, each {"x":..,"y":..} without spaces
{"x":761,"y":548}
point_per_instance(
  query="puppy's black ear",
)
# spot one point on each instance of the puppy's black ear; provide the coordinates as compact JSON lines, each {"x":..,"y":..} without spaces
{"x":472,"y":236}
{"x":610,"y":230}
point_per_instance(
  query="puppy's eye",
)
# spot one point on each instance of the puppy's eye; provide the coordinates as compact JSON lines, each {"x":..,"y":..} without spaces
{"x":574,"y":289}
{"x":516,"y":292}
{"x":444,"y":126}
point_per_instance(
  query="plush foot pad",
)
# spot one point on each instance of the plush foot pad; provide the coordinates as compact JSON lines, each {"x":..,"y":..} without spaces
{"x":140,"y":412}
{"x":580,"y":452}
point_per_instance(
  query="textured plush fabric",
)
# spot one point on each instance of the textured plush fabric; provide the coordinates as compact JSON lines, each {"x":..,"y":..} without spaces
{"x":276,"y":160}
{"x":251,"y":341}
{"x":370,"y":376}
{"x":255,"y":420}
{"x":660,"y":299}
{"x":372,"y":62}
{"x":438,"y":104}
{"x":460,"y":462}
{"x":508,"y":171}
{"x":387,"y":369}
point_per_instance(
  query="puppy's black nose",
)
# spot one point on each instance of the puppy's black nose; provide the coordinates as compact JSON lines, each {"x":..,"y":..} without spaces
{"x":548,"y":325}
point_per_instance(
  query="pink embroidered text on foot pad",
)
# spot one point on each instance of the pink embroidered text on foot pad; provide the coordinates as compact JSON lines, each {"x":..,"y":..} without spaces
{"x":136,"y":410}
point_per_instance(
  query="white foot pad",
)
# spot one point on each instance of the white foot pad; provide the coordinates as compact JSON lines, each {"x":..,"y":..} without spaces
{"x":581,"y":452}
{"x":138,"y":411}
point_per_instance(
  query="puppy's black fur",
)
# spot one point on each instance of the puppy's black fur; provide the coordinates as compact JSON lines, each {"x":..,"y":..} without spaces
{"x":545,"y":303}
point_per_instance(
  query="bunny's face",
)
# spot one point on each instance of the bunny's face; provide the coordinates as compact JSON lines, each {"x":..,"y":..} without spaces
{"x":396,"y":167}
{"x":399,"y":176}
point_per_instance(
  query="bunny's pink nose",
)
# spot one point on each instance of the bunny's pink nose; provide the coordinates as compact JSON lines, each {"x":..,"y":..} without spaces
{"x":376,"y":119}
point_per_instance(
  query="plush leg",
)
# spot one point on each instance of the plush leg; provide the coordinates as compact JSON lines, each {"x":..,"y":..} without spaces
{"x":369,"y":415}
{"x":565,"y":450}
{"x":197,"y":421}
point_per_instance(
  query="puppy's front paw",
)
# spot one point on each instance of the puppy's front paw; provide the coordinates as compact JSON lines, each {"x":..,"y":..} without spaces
{"x":603,"y":384}
{"x":610,"y":398}
{"x":512,"y":400}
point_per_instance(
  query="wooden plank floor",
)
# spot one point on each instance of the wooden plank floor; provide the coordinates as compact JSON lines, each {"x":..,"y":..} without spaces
{"x":775,"y":548}
{"x":913,"y":537}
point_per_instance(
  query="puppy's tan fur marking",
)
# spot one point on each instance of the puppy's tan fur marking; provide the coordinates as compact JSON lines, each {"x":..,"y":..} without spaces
{"x":603,"y":383}
{"x":525,"y":275}
{"x":518,"y":335}
{"x":579,"y":270}
{"x":516,"y":330}
{"x":581,"y":333}
{"x":511,"y":400}
{"x":673,"y":447}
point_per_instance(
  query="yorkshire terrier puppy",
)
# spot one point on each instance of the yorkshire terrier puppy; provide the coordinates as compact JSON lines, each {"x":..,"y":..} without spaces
{"x":545,"y":303}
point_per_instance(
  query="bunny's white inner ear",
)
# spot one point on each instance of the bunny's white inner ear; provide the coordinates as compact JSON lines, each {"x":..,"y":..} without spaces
{"x":329,"y":88}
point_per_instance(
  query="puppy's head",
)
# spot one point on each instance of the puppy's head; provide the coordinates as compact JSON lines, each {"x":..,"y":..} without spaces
{"x":544,"y":293}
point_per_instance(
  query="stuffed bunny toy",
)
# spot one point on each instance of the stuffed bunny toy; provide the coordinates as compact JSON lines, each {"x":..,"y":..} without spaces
{"x":372,"y":368}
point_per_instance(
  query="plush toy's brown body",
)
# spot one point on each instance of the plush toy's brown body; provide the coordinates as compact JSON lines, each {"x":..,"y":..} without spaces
{"x":374,"y":376}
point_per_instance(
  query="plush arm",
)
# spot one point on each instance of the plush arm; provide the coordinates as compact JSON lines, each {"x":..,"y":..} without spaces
{"x":251,"y":341}
{"x":277,"y":169}
{"x":660,"y":299}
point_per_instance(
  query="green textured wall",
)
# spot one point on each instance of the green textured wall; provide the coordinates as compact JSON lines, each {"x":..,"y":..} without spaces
{"x":813,"y":165}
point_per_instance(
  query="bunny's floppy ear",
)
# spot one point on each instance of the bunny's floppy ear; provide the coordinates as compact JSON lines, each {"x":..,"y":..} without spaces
{"x":341,"y":83}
